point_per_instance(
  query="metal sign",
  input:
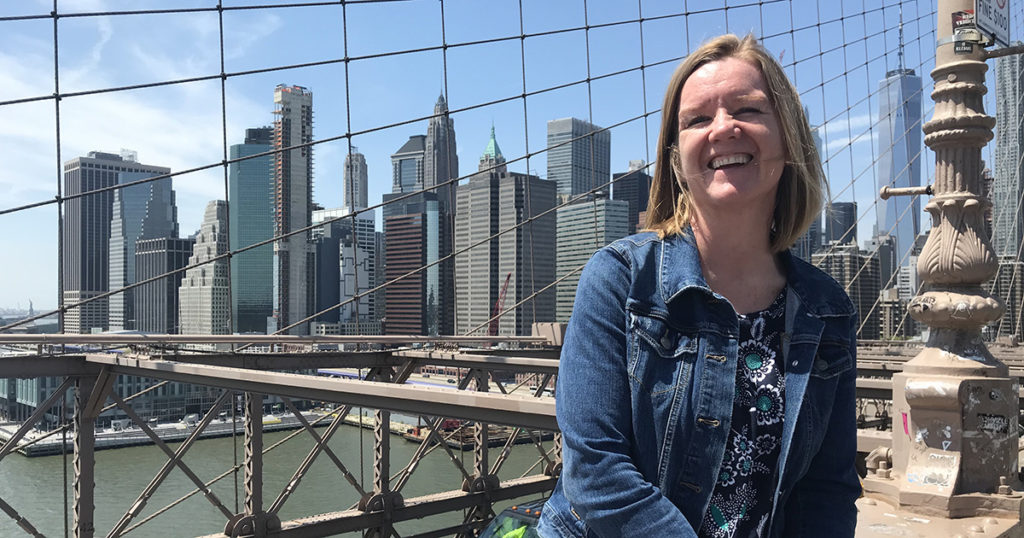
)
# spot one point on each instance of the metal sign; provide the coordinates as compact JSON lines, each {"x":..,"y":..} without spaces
{"x":993,"y":18}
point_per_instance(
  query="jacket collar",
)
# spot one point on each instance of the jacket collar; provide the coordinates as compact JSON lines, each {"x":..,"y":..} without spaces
{"x":680,"y":266}
{"x":680,"y":270}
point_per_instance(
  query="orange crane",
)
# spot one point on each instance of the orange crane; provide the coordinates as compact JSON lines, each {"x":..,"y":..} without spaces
{"x":492,"y":329}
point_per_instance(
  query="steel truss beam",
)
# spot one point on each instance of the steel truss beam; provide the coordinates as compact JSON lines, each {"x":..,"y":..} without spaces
{"x":266,"y":339}
{"x":28,"y":366}
{"x":412,"y":399}
{"x":287,"y":361}
{"x":415,"y":508}
{"x":530,"y":364}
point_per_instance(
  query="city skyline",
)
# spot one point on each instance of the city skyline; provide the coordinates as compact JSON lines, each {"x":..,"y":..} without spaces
{"x":614,"y":101}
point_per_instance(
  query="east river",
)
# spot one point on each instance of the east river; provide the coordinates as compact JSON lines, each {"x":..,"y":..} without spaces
{"x":35,"y":486}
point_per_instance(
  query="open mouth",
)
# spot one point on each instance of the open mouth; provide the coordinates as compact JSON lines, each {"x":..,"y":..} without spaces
{"x":730,"y":161}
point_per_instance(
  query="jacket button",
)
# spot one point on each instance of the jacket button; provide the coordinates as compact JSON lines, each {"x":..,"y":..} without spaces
{"x":820,"y":365}
{"x":666,"y":342}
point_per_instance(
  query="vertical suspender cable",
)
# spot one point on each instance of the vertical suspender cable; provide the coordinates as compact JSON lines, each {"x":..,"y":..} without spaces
{"x":60,"y":253}
{"x":592,"y":180}
{"x":447,"y":269}
{"x":60,"y":174}
{"x":224,"y":166}
{"x":348,"y":131}
{"x":526,"y":140}
{"x":227,"y":220}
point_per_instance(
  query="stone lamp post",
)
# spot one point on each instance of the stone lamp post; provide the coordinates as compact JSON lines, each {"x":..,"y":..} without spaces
{"x":954,"y":435}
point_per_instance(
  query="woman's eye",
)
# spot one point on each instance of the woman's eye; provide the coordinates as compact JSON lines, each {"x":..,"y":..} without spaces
{"x":748,"y":110}
{"x":697,"y":120}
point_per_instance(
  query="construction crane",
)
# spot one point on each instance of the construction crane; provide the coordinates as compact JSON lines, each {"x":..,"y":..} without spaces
{"x":492,"y":329}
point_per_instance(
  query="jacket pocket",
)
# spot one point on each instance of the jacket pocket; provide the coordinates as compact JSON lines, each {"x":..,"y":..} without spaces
{"x":559,"y":520}
{"x":832,"y":359}
{"x":660,"y":358}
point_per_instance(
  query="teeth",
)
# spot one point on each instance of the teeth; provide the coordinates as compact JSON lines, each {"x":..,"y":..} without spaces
{"x":718,"y":162}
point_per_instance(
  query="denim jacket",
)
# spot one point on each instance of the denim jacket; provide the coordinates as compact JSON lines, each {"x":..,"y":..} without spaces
{"x":645,"y":398}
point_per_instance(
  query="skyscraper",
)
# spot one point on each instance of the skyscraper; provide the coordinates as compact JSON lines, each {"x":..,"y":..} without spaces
{"x":203,"y":294}
{"x":86,"y":234}
{"x":810,"y":242}
{"x":424,"y":218}
{"x":579,"y":155}
{"x":899,"y":157}
{"x":440,"y":161}
{"x":328,"y":278}
{"x":583,"y":227}
{"x":415,"y":235}
{"x":407,"y":165}
{"x":156,"y":303}
{"x":293,"y":205}
{"x":251,"y":220}
{"x":634,"y":187}
{"x":892,"y":316}
{"x":496,"y":200}
{"x":1008,"y":184}
{"x":140,"y":212}
{"x":1008,"y":285}
{"x":857,"y":273}
{"x":528,"y":251}
{"x":841,"y":222}
{"x":355,"y":181}
{"x":476,"y":219}
{"x":882,"y":248}
{"x":356,"y":263}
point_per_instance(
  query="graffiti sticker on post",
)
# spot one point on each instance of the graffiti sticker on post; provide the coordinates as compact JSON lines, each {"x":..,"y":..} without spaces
{"x":963,"y":22}
{"x":994,"y":19}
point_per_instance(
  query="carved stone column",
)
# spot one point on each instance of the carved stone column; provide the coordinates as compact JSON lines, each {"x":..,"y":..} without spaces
{"x":954,"y":450}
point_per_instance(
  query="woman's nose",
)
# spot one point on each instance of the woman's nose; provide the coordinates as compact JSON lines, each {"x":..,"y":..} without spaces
{"x":723,"y":126}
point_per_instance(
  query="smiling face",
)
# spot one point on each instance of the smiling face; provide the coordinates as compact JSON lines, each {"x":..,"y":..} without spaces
{"x":730,"y":143}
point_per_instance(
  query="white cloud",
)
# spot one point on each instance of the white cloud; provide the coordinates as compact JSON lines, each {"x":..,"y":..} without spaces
{"x":83,"y":74}
{"x":847,"y":130}
{"x":240,"y":35}
{"x":178,"y":126}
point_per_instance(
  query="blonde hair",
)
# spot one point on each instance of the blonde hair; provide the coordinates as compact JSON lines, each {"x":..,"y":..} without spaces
{"x":802,"y":185}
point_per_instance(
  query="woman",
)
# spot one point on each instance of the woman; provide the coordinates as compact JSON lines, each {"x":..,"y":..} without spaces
{"x":681,"y":417}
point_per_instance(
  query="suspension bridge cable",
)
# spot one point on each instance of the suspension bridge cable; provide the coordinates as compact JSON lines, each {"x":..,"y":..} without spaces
{"x":347,"y":136}
{"x":350,"y":134}
{"x":277,"y":151}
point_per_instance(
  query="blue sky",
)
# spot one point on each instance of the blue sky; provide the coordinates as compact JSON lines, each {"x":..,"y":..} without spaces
{"x":181,"y":125}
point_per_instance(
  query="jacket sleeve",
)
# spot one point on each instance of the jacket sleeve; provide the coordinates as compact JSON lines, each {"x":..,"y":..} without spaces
{"x":822,"y":501}
{"x":594,"y":411}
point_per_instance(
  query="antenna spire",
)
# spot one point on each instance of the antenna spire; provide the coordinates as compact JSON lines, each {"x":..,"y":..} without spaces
{"x":900,"y":53}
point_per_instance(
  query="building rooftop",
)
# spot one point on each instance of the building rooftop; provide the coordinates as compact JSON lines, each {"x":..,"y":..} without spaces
{"x":493,"y":151}
{"x":416,"y":143}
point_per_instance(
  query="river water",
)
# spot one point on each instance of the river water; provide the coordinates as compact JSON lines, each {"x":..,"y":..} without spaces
{"x":35,"y":486}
